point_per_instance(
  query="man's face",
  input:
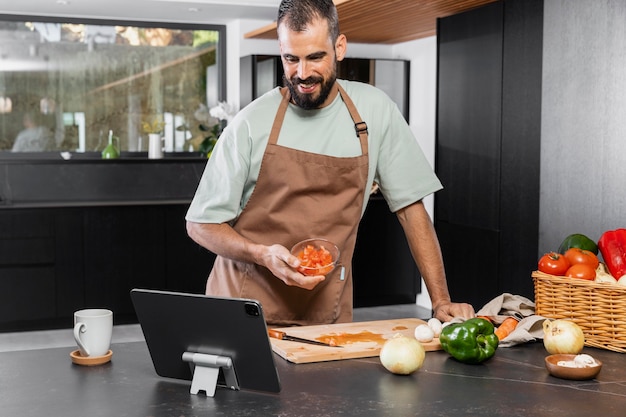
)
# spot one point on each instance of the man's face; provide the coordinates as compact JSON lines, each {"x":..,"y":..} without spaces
{"x":310,"y":63}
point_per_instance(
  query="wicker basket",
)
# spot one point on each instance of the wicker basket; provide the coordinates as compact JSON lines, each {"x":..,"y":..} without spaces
{"x":599,"y":309}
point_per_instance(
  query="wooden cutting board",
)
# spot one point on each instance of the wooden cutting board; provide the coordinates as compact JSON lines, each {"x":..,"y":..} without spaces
{"x":358,"y":340}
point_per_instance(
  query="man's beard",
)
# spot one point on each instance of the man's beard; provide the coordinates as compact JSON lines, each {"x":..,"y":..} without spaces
{"x":307,"y":101}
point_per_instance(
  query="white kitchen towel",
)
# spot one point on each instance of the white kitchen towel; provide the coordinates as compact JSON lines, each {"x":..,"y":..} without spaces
{"x":530,"y":327}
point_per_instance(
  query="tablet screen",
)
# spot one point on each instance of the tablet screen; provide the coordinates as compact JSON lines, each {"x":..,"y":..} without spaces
{"x":174,"y":323}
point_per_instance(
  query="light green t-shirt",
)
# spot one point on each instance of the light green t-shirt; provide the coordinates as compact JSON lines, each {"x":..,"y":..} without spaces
{"x":396,"y":162}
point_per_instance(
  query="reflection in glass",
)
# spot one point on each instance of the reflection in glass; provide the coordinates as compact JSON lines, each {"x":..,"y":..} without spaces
{"x":64,"y":86}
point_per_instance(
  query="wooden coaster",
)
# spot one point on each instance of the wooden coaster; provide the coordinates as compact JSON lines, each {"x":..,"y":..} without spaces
{"x":79,"y":359}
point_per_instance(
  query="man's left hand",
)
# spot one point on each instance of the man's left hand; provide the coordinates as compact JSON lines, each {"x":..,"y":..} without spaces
{"x":447,"y":311}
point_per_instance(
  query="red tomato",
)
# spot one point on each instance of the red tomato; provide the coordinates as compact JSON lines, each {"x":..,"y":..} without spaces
{"x":315,"y":261}
{"x":581,"y":256}
{"x":582,"y":271}
{"x":553,"y":263}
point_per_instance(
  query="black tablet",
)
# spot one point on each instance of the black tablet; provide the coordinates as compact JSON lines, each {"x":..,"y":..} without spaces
{"x":211,"y":341}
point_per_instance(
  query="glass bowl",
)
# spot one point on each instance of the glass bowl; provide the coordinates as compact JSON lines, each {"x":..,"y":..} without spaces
{"x":318,"y":256}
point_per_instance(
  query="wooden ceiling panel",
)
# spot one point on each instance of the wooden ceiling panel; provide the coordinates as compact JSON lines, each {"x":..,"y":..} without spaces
{"x":388,"y":21}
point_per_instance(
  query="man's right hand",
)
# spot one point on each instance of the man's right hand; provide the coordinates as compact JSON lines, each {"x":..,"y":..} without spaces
{"x":283,"y":265}
{"x":223,"y":240}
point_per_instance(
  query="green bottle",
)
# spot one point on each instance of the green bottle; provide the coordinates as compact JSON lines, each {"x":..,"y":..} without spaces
{"x":111,"y":151}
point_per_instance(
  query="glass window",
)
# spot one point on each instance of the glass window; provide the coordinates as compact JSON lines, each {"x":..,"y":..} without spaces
{"x":65,"y":84}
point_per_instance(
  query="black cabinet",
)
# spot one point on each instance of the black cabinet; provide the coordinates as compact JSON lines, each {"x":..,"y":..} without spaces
{"x":124,"y":248}
{"x":54,"y":261}
{"x":82,"y":233}
{"x":384,"y":271}
{"x":27,"y":275}
{"x":487,"y":148}
{"x":57,"y":260}
{"x":140,"y":247}
{"x":187,"y":264}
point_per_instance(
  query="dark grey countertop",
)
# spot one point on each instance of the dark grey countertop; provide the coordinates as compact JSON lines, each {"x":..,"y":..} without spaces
{"x":513,"y":383}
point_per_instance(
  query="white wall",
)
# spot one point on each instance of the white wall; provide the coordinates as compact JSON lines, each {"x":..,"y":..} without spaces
{"x":583,"y":128}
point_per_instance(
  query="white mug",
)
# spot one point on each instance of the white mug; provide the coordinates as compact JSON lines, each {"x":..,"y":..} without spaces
{"x":92,"y":331}
{"x":155,"y":146}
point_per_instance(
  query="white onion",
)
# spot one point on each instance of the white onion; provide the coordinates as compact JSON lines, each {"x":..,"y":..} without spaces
{"x":402,"y":355}
{"x":603,"y":275}
{"x":562,"y":336}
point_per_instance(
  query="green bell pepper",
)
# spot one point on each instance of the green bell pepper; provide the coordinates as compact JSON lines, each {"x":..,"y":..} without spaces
{"x":578,"y":240}
{"x":471,"y":341}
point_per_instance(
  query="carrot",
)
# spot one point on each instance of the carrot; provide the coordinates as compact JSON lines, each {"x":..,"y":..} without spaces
{"x":486,"y":318}
{"x":508,"y":325}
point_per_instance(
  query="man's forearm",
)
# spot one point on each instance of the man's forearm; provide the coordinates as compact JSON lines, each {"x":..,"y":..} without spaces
{"x":426,"y":251}
{"x":223,"y":240}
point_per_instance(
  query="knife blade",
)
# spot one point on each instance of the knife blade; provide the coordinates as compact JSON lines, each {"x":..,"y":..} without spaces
{"x":277,"y":334}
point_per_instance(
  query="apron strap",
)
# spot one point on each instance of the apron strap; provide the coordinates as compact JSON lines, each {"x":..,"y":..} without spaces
{"x":359,"y":125}
{"x":280,"y":116}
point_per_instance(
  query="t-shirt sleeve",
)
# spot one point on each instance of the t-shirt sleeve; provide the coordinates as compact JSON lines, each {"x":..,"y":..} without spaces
{"x":218,"y":196}
{"x":403,"y":172}
{"x":230,"y":174}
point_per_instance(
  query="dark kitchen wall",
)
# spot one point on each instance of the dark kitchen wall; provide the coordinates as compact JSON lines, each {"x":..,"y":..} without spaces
{"x":487,"y":148}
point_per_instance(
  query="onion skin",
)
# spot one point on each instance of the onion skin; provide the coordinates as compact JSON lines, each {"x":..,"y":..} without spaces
{"x":402,"y":355}
{"x":562,"y":336}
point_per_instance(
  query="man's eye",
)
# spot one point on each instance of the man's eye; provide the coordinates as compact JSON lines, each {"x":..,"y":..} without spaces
{"x":291,"y":60}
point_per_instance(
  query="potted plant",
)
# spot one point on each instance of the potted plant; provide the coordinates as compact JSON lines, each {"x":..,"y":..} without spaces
{"x":211,"y":123}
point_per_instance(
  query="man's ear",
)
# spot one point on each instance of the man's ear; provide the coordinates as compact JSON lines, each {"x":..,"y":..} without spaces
{"x":341,"y":46}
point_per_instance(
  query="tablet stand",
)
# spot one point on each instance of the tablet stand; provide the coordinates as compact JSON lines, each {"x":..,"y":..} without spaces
{"x":206,"y":369}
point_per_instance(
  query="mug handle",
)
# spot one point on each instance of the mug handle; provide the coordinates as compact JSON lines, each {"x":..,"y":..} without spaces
{"x":78,"y":329}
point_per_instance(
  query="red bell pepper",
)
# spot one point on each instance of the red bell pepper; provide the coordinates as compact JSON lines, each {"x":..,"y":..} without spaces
{"x":612,"y":245}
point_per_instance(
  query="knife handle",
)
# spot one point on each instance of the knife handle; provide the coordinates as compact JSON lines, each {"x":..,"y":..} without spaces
{"x":276,"y":334}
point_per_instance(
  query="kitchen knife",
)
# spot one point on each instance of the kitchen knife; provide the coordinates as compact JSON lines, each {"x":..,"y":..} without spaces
{"x":277,"y":334}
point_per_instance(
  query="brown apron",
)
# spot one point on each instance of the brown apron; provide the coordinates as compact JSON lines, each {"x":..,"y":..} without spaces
{"x":299,"y":195}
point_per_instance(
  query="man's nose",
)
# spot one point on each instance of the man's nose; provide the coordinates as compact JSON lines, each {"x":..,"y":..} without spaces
{"x":303,"y":70}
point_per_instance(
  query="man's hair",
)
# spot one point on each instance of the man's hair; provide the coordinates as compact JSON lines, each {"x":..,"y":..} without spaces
{"x":297,"y":14}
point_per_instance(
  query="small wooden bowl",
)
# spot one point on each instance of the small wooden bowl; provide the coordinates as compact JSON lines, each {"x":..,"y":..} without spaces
{"x":567,"y":372}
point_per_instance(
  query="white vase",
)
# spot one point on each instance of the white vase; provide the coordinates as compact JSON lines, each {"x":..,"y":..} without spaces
{"x":155,"y":146}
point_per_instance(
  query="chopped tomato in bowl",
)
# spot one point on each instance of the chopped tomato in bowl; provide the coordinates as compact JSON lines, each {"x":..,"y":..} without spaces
{"x":317,"y":256}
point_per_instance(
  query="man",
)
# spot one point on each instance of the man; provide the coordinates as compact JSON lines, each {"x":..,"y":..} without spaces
{"x":299,"y":162}
{"x":34,"y":137}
